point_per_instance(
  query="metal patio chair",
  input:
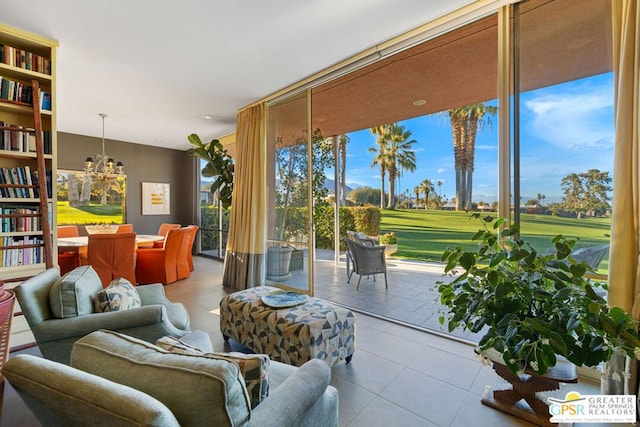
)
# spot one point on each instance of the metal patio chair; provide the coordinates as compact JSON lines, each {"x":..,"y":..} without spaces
{"x":366,"y":260}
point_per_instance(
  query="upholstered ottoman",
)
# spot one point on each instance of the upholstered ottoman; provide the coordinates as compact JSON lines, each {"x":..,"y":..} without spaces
{"x":293,"y":335}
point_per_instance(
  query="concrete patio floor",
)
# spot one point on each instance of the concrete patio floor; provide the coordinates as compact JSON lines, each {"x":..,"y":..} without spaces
{"x":411,"y":299}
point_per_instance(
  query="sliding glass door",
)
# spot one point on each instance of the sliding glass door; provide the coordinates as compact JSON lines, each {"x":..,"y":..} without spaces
{"x":290,"y":240}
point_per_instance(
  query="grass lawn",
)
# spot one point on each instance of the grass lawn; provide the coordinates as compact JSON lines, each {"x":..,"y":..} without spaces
{"x":425,"y":234}
{"x":92,"y":214}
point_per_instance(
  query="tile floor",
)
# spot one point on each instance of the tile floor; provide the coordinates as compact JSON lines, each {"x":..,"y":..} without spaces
{"x":398,"y":376}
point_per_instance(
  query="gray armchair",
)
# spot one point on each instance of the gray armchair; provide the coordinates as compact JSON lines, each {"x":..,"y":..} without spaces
{"x":116,"y":380}
{"x":367,"y":260}
{"x":55,"y":336}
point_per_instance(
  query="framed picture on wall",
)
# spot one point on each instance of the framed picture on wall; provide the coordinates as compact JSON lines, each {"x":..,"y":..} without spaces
{"x":156,"y":198}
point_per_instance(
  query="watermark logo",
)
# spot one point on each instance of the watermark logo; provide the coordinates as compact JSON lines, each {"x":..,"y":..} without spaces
{"x":593,"y":408}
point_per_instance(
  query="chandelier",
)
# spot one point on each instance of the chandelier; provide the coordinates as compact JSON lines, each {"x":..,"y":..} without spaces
{"x":103,"y":168}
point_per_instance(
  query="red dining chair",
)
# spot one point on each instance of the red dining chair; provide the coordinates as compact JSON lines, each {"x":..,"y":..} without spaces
{"x":68,"y":259}
{"x":192,"y":238}
{"x":164,"y":265}
{"x":125,"y":228}
{"x":162,"y":231}
{"x":113,"y":256}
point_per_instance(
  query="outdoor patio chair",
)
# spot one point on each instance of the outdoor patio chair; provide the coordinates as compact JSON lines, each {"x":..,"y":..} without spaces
{"x":592,"y":255}
{"x":367,"y":261}
{"x":362,"y":238}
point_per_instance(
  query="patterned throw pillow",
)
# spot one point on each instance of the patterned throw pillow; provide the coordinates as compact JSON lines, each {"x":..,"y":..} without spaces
{"x":174,"y":345}
{"x":253,"y":367}
{"x":255,"y":371}
{"x":119,"y":295}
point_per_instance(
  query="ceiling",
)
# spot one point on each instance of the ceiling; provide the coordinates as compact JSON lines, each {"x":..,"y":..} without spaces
{"x":457,"y":68}
{"x":156,"y":67}
{"x":461,"y":67}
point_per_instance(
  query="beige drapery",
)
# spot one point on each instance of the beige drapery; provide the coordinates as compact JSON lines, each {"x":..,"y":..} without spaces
{"x":624,"y":264}
{"x":245,"y":256}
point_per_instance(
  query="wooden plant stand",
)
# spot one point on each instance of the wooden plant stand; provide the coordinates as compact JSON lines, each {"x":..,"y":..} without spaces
{"x":518,"y":397}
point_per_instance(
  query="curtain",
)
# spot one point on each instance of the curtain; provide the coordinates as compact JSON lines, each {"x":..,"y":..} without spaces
{"x":245,"y":255}
{"x":624,"y":265}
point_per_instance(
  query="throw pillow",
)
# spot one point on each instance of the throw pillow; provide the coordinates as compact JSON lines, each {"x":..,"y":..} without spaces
{"x":72,"y":295}
{"x":253,"y":367}
{"x":255,"y":371}
{"x":174,"y":345}
{"x":119,"y":295}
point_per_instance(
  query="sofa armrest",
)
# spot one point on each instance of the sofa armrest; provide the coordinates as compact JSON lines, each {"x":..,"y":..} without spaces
{"x":56,"y":329}
{"x":287,"y":404}
{"x":152,"y":294}
{"x":60,"y":394}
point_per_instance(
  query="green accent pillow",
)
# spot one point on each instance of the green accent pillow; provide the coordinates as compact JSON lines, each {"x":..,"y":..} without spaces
{"x":119,"y":295}
{"x":72,"y":295}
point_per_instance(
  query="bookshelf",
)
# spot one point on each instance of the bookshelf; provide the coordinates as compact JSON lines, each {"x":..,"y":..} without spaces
{"x":28,"y":162}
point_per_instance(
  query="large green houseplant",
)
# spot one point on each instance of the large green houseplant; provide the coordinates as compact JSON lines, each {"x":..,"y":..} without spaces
{"x":219,"y":165}
{"x":533,"y":307}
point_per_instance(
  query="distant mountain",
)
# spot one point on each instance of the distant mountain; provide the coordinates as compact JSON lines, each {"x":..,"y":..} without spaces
{"x":329,"y":184}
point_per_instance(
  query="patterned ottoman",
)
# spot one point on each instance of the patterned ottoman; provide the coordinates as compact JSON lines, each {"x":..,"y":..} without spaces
{"x":294,"y":335}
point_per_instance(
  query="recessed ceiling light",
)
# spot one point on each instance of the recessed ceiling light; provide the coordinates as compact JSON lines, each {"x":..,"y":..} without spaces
{"x":207,"y":117}
{"x":419,"y":102}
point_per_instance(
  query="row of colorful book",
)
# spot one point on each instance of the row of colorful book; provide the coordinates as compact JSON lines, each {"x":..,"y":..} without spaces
{"x":21,"y":255}
{"x":22,"y":175}
{"x":22,"y":93}
{"x":20,"y":219}
{"x":19,"y":138}
{"x":24,"y":59}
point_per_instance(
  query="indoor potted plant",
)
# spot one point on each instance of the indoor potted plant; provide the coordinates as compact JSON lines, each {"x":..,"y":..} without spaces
{"x":219,"y":165}
{"x":534,"y":307}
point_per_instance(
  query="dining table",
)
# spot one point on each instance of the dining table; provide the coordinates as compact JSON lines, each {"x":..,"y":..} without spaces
{"x":82,"y":241}
{"x":80,"y":244}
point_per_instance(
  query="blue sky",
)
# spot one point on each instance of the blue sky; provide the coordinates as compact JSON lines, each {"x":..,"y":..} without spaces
{"x":565,"y":128}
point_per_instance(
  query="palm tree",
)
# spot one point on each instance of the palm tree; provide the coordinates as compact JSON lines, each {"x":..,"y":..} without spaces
{"x":417,"y":190}
{"x":381,"y":157}
{"x":342,"y":147}
{"x":465,"y":123}
{"x":399,"y":155}
{"x":426,"y":186}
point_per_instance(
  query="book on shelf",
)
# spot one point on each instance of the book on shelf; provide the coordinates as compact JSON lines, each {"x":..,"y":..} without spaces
{"x":16,"y":91}
{"x":21,"y":250}
{"x":29,"y":181}
{"x":20,"y":138}
{"x":35,"y":178}
{"x":45,"y":100}
{"x":24,"y":59}
{"x":18,"y":176}
{"x":20,"y":219}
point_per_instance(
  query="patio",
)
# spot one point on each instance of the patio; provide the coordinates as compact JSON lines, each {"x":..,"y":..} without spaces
{"x":412,"y":297}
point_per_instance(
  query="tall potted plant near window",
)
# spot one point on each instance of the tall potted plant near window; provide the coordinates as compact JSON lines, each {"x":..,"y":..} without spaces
{"x":219,"y":165}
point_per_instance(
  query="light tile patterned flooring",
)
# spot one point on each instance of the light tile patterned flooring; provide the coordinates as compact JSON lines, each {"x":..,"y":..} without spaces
{"x":398,"y":376}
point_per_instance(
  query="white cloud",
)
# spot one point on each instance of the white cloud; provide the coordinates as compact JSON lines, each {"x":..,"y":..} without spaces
{"x":573,"y":117}
{"x":441,"y":170}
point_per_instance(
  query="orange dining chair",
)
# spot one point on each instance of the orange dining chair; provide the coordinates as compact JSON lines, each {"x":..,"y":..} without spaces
{"x":164,"y":265}
{"x":162,"y":231}
{"x":68,"y":259}
{"x":113,"y":256}
{"x":192,"y":238}
{"x":125,"y":228}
